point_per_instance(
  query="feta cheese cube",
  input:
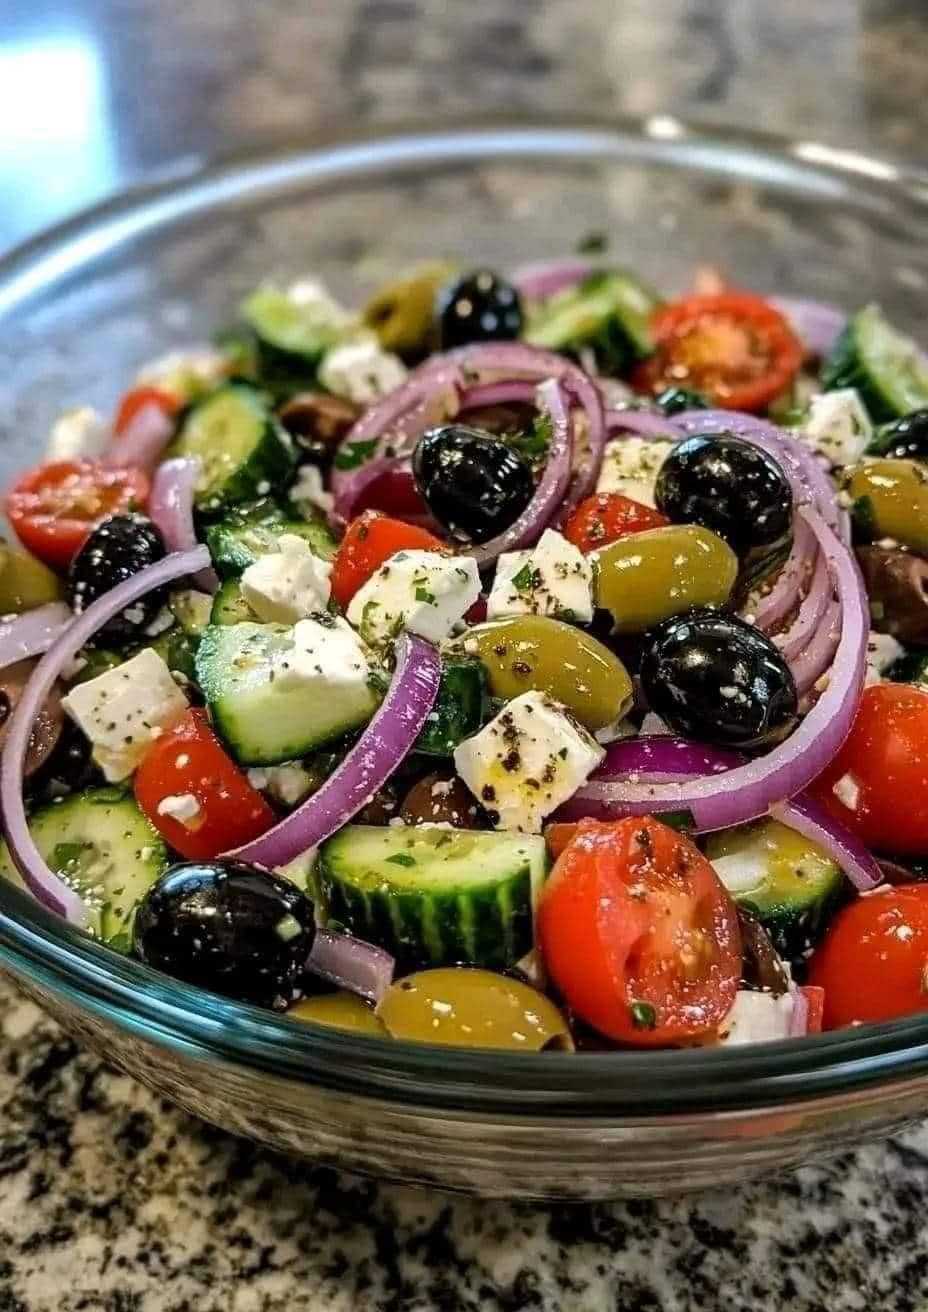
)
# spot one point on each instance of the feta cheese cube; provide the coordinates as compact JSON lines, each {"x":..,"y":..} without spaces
{"x":189,"y":374}
{"x":182,"y":807}
{"x":317,"y":306}
{"x":79,"y":434}
{"x":553,"y":579}
{"x":327,"y":659}
{"x":361,"y":371}
{"x":308,"y":493}
{"x":757,"y":1018}
{"x":631,"y":465}
{"x":288,"y":584}
{"x":420,"y":591}
{"x":124,"y":710}
{"x":288,"y":783}
{"x":882,"y":651}
{"x":838,"y":426}
{"x":528,"y":760}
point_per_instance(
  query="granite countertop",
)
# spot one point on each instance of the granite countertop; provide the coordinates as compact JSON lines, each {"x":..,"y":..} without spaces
{"x":113,"y":1201}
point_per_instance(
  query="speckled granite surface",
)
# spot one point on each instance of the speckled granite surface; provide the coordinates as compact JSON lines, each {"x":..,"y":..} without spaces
{"x":109,"y":1199}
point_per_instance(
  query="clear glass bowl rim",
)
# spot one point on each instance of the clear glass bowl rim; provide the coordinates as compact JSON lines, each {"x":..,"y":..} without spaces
{"x":63,"y":962}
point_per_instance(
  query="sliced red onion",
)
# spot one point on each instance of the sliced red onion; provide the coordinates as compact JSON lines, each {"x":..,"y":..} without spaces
{"x":42,"y":882}
{"x":783,"y":598}
{"x":643,"y":423}
{"x":810,"y":819}
{"x":33,"y":632}
{"x":351,"y":963}
{"x":484,"y":394}
{"x":170,"y":507}
{"x":660,"y":755}
{"x":381,"y":748}
{"x":799,"y":1018}
{"x":816,"y":324}
{"x":748,"y":791}
{"x":143,"y":440}
{"x":815,"y":658}
{"x":812,"y":608}
{"x":536,"y":282}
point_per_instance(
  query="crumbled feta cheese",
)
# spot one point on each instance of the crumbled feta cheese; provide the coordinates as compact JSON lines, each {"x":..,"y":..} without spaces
{"x":847,"y":791}
{"x":328,"y":660}
{"x":423,"y":592}
{"x":163,"y":621}
{"x":882,"y":651}
{"x":553,"y":579}
{"x":79,"y":434}
{"x":289,"y":584}
{"x":757,"y":1018}
{"x":317,"y":306}
{"x":528,"y":760}
{"x":743,"y":871}
{"x":361,"y":371}
{"x":182,"y":807}
{"x":300,"y":868}
{"x":309,"y":490}
{"x":838,"y":426}
{"x":631,"y":465}
{"x":189,"y":373}
{"x":288,"y":783}
{"x":124,"y":710}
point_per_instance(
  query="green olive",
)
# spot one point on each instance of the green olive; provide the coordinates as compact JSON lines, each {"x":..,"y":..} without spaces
{"x":532,"y":652}
{"x":473,"y":1009}
{"x":402,"y":314}
{"x":648,"y":577}
{"x":341,"y":1010}
{"x":25,"y":582}
{"x":891,"y":500}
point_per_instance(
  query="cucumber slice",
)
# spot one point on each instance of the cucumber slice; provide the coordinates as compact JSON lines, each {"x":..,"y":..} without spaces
{"x":178,"y":650}
{"x":247,"y":532}
{"x":459,"y":707}
{"x":266,"y":719}
{"x":230,"y":607}
{"x":435,"y":896}
{"x":285,"y":328}
{"x":789,"y":883}
{"x":888,"y":369}
{"x":242,"y":448}
{"x":102,"y":845}
{"x":609,"y":312}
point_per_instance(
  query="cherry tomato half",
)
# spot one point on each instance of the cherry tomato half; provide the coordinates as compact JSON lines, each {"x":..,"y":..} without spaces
{"x":873,"y":961}
{"x":189,"y":759}
{"x":370,"y":540}
{"x":877,"y":784}
{"x":134,"y":402}
{"x":54,"y":507}
{"x":732,"y":347}
{"x":608,"y":516}
{"x":395,"y":493}
{"x":639,"y":935}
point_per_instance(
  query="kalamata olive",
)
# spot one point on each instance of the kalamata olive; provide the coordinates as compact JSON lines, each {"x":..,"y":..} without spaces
{"x":115,"y":550}
{"x":514,"y":417}
{"x":439,"y":799}
{"x":906,"y":438}
{"x":897,"y":587}
{"x":762,"y":967}
{"x":317,"y":421}
{"x":228,"y":927}
{"x":472,"y":1008}
{"x":479,"y":307}
{"x":25,"y":582}
{"x":402,"y":314}
{"x":68,"y":768}
{"x":729,"y":486}
{"x":549,"y":656}
{"x":341,"y":1010}
{"x":648,"y":577}
{"x":717,"y":679}
{"x":890,"y":500}
{"x":46,"y":728}
{"x":473,"y":483}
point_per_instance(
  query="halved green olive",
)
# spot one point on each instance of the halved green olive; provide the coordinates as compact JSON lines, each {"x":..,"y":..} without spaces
{"x":341,"y":1010}
{"x":402,"y":314}
{"x":890,"y":500}
{"x":530,"y":652}
{"x":25,"y":582}
{"x":651,"y":576}
{"x":472,"y":1008}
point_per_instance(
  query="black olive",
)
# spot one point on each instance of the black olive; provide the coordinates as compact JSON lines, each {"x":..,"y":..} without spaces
{"x":228,"y":927}
{"x":713,"y":677}
{"x":478,"y":307}
{"x":116,"y":549}
{"x":474,"y":484}
{"x":68,"y":769}
{"x":673,"y":400}
{"x":729,"y":486}
{"x":906,"y":438}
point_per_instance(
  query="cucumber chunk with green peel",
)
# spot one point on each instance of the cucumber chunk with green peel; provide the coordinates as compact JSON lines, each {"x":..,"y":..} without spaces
{"x":290,"y":332}
{"x":243,"y":450}
{"x":435,"y":896}
{"x":609,"y":312}
{"x":103,"y":847}
{"x":246,"y":532}
{"x":230,"y":607}
{"x":889,"y":370}
{"x":790,"y":884}
{"x":459,"y":709}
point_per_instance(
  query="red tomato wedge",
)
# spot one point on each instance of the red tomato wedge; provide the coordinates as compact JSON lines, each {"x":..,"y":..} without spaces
{"x":189,"y":759}
{"x":639,"y":935}
{"x":733,"y":347}
{"x":608,"y":516}
{"x":53,"y":507}
{"x":369,"y":540}
{"x":873,"y":961}
{"x":135,"y":401}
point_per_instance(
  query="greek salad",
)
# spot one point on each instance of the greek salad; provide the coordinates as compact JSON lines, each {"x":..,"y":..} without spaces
{"x":526,"y":662}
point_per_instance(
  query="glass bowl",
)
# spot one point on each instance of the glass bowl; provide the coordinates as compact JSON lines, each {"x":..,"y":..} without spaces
{"x":162,"y":266}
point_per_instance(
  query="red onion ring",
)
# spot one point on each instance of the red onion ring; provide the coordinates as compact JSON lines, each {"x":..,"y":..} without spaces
{"x":33,"y":632}
{"x":370,"y":763}
{"x":536,"y":282}
{"x":816,"y":324}
{"x":794,"y":640}
{"x":351,"y":963}
{"x":143,"y":440}
{"x":782,"y":599}
{"x":808,"y":818}
{"x":484,"y":394}
{"x":643,"y":423}
{"x":170,"y":508}
{"x":812,"y":662}
{"x":42,"y":882}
